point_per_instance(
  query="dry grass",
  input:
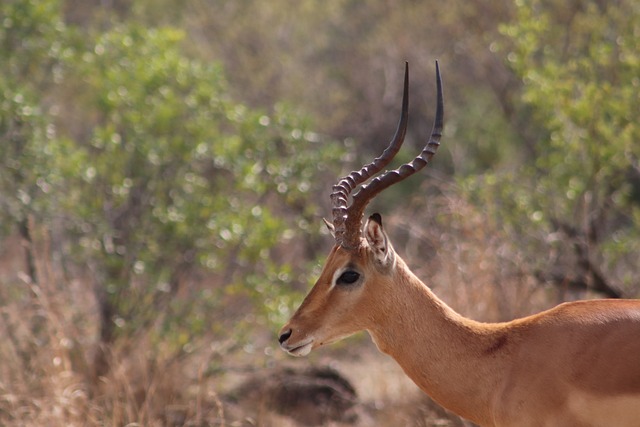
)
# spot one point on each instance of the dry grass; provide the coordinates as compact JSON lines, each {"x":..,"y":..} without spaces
{"x":467,"y":260}
{"x":49,"y":332}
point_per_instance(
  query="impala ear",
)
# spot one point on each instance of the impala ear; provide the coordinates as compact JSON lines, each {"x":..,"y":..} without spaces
{"x":379,"y":242}
{"x":331,"y":228}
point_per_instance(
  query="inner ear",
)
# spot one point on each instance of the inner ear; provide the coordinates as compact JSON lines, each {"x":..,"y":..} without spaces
{"x":375,"y":234}
{"x":378,"y":240}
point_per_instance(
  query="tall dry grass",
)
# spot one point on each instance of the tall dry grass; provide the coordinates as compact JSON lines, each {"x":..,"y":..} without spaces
{"x":466,"y":258}
{"x":49,"y":330}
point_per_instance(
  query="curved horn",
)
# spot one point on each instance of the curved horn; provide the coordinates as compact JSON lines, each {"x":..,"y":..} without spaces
{"x":341,"y":191}
{"x":347,"y":220}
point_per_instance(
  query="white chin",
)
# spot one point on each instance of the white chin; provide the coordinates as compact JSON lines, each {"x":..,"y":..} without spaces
{"x":301,"y":351}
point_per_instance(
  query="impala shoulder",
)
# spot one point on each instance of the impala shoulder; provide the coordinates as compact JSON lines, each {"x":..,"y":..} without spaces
{"x":591,"y":312}
{"x":627,"y":307}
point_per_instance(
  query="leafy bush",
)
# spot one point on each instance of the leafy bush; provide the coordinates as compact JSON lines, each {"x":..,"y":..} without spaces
{"x":153,"y":174}
{"x":576,"y":200}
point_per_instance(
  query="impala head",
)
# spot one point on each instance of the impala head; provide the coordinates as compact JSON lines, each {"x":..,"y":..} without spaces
{"x":360,"y":268}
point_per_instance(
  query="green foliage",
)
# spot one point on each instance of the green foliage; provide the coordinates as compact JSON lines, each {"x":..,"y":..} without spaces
{"x":32,"y":41}
{"x":154,"y":172}
{"x":579,"y":65}
{"x":31,"y":47}
{"x":24,"y":133}
{"x":173,"y":175}
{"x":486,"y":139}
{"x":157,"y":144}
{"x":343,"y":63}
{"x":585,"y":93}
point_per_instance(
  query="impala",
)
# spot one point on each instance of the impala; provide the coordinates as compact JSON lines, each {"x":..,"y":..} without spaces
{"x":577,"y":364}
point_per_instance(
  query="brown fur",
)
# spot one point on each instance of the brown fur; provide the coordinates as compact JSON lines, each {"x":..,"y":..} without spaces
{"x":577,"y":364}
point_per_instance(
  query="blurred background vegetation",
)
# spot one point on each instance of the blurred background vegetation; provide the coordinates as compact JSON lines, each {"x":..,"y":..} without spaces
{"x":164,"y":166}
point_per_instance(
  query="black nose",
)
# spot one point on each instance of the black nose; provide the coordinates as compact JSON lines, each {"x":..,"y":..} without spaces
{"x":285,"y":336}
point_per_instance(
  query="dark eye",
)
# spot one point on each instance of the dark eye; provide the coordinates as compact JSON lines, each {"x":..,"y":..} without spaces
{"x":348,"y":277}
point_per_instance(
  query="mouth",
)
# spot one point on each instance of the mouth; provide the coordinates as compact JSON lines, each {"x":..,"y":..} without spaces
{"x":299,"y":350}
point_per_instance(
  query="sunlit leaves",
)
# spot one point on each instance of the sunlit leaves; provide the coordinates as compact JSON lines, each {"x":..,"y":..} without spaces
{"x":579,"y":65}
{"x":32,"y":45}
{"x":154,"y":170}
{"x":582,"y":87}
{"x":172,"y":175}
{"x":32,"y":39}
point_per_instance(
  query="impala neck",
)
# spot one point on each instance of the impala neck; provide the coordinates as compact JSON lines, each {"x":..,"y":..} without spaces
{"x":455,"y":360}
